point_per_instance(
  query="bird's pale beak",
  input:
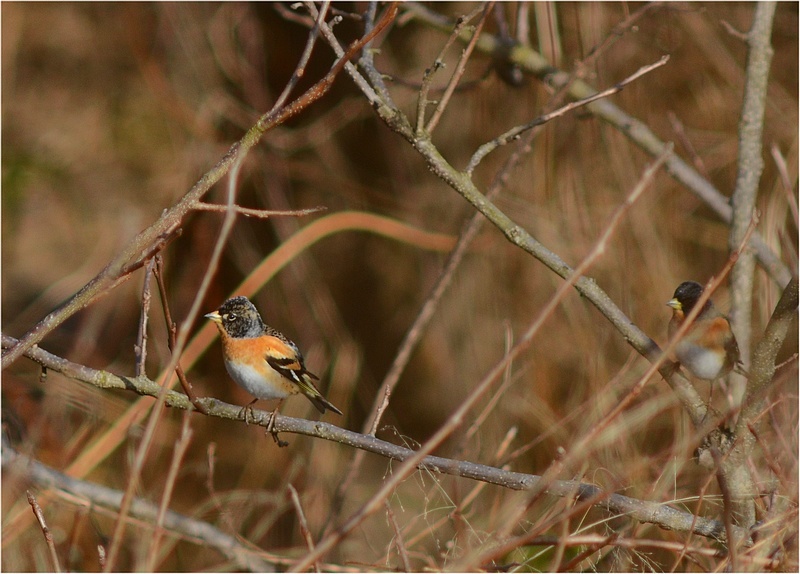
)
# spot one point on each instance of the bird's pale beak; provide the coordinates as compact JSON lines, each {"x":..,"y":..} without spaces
{"x":215,"y":316}
{"x":674,"y":303}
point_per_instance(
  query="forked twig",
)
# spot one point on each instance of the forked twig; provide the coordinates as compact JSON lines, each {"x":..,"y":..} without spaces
{"x":458,"y":72}
{"x":438,"y":64}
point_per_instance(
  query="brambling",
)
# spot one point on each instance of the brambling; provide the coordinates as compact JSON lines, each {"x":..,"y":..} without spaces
{"x":708,"y":349}
{"x":262,"y":360}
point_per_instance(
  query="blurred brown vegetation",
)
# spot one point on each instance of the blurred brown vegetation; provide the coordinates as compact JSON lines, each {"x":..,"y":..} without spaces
{"x":111,"y":112}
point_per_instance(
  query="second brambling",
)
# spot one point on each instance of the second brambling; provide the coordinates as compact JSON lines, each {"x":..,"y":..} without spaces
{"x":262,"y":360}
{"x":708,"y":349}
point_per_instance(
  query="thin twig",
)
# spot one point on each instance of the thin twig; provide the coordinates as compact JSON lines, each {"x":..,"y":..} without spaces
{"x":614,"y":35}
{"x":300,"y":69}
{"x":301,"y":518}
{"x":291,"y":14}
{"x":211,"y":457}
{"x":488,"y":408}
{"x":181,"y":446}
{"x":172,"y":333}
{"x":48,"y":536}
{"x":680,"y":132}
{"x":261,"y":213}
{"x":367,"y":61}
{"x":438,"y":64}
{"x":140,"y":348}
{"x":398,"y":538}
{"x":783,"y":171}
{"x":349,"y":67}
{"x":738,"y":34}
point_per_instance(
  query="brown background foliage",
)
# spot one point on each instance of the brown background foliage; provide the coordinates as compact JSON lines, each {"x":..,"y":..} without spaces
{"x":111,"y":112}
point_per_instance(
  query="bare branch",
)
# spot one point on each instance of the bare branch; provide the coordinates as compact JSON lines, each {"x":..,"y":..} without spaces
{"x":172,"y":337}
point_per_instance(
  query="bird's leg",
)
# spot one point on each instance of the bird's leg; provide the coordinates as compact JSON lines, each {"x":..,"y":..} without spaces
{"x":271,"y":427}
{"x":247,"y":408}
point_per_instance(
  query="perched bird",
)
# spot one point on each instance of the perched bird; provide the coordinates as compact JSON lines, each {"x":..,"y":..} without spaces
{"x":262,"y":360}
{"x":708,"y":349}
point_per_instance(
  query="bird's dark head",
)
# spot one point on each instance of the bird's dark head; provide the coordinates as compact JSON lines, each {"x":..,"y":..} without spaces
{"x":239,"y":317}
{"x":686,"y":296}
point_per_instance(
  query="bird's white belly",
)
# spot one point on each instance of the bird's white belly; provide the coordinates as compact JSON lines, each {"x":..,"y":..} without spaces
{"x":701,"y":363}
{"x":255,"y":383}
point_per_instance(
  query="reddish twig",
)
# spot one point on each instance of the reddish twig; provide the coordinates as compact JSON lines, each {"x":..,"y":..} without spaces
{"x":172,"y":331}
